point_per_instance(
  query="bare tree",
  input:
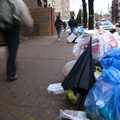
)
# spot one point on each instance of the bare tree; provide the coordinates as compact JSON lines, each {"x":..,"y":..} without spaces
{"x":84,"y":13}
{"x":91,"y":14}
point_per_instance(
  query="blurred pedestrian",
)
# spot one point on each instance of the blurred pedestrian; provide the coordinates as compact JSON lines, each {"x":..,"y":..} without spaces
{"x":73,"y":24}
{"x":58,"y":24}
{"x":12,"y":37}
{"x":64,"y":25}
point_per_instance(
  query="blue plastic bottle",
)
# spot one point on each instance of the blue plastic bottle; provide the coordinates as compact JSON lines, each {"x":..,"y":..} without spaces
{"x":103,"y":109}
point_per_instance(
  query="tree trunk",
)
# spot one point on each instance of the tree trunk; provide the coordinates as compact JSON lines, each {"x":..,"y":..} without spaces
{"x":91,"y":14}
{"x":84,"y":14}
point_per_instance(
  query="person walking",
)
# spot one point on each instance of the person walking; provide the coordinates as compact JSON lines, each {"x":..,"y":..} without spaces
{"x":73,"y":24}
{"x":12,"y":37}
{"x":58,"y":24}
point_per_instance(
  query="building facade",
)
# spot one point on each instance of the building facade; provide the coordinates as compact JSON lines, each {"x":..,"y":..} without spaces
{"x":36,"y":3}
{"x":115,"y":11}
{"x":118,"y":11}
{"x":62,"y":8}
{"x":43,"y":17}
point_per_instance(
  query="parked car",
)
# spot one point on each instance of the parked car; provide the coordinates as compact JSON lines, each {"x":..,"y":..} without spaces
{"x":117,"y":24}
{"x":105,"y":25}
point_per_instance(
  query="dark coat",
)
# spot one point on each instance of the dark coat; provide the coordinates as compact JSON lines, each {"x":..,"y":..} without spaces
{"x":58,"y":23}
{"x":72,"y":23}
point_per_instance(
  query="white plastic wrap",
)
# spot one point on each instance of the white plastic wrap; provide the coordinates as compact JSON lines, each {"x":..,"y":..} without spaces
{"x":72,"y":115}
{"x":97,"y":48}
{"x":103,"y":31}
{"x":55,"y":88}
{"x":85,"y":37}
{"x":77,"y":50}
{"x":109,"y":41}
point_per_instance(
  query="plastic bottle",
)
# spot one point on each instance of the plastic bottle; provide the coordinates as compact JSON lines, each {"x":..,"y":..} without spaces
{"x":103,"y":109}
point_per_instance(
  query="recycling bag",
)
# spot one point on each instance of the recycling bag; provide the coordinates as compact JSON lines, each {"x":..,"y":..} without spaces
{"x":106,"y":88}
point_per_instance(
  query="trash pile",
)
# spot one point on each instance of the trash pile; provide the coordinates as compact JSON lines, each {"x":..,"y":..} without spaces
{"x":92,"y":79}
{"x":72,"y":115}
{"x":106,"y":89}
{"x":72,"y":36}
{"x":102,"y":41}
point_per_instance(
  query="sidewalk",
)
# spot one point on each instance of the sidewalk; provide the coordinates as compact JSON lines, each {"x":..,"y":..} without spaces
{"x":40,"y":61}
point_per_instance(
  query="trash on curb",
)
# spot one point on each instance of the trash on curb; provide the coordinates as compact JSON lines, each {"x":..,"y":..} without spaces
{"x":72,"y":115}
{"x":101,"y":43}
{"x":81,"y":75}
{"x":94,"y":76}
{"x":72,"y":96}
{"x":97,"y":72}
{"x":68,"y":66}
{"x":55,"y":88}
{"x":106,"y":89}
{"x":71,"y":37}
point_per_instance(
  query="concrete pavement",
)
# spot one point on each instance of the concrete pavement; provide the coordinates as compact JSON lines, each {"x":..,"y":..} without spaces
{"x":40,"y":61}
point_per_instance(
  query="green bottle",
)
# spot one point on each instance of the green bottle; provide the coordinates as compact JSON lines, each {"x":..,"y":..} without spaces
{"x":103,"y":109}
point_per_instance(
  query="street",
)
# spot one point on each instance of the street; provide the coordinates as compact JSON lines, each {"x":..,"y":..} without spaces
{"x":40,"y":61}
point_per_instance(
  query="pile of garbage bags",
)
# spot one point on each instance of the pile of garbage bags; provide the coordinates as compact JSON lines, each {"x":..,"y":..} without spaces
{"x":102,"y":41}
{"x":94,"y":74}
{"x":106,"y":52}
{"x":106,"y":89}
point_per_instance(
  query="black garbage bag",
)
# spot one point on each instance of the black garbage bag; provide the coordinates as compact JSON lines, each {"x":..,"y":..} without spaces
{"x":81,"y":77}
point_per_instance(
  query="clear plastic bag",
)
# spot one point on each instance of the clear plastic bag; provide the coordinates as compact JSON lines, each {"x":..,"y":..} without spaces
{"x":117,"y":37}
{"x":107,"y":89}
{"x":68,"y":66}
{"x":109,"y":41}
{"x":102,"y":41}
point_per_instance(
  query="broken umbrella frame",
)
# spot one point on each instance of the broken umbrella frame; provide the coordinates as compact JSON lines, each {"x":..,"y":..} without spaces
{"x":81,"y":77}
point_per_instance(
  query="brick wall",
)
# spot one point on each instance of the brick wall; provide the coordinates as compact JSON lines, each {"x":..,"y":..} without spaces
{"x":43,"y":22}
{"x":44,"y":19}
{"x":31,"y":3}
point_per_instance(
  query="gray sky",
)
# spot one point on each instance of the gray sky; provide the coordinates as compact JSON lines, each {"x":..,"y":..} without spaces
{"x":99,"y":5}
